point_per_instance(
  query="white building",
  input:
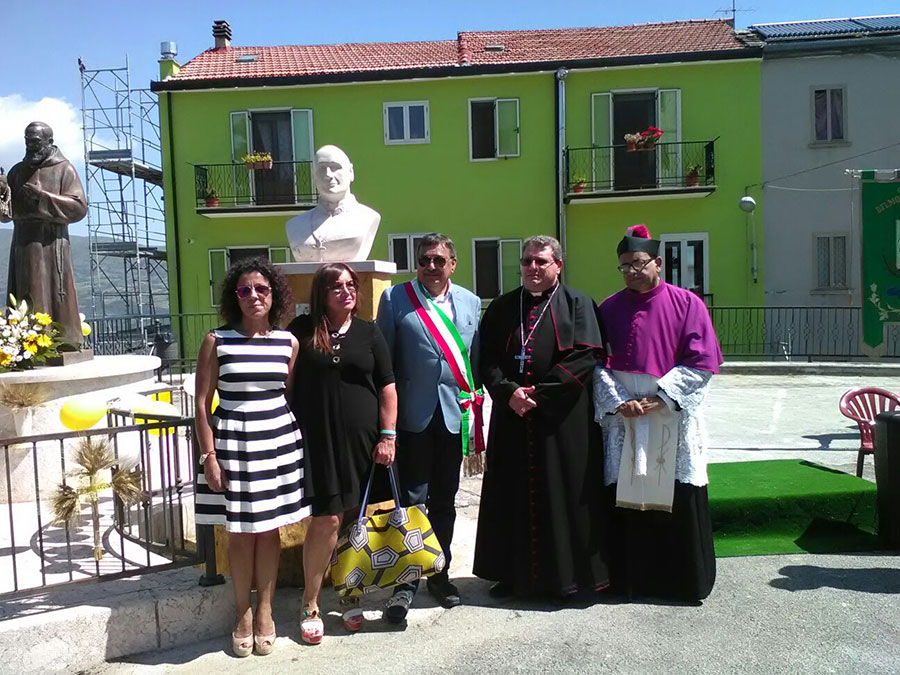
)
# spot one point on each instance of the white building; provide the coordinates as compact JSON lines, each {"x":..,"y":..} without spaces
{"x":830,"y":102}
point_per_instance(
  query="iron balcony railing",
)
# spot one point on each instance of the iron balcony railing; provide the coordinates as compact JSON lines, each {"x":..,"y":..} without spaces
{"x":235,"y":185}
{"x":613,"y":169}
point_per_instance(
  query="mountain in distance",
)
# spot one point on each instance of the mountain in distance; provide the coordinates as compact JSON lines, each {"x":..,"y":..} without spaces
{"x":81,"y":263}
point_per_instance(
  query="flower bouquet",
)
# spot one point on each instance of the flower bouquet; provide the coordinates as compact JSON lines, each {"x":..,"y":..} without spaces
{"x":643,"y":140}
{"x":258,"y":160}
{"x":26,"y":339}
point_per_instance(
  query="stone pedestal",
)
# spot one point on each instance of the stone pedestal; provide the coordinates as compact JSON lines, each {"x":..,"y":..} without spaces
{"x":45,"y":390}
{"x":374,"y":277}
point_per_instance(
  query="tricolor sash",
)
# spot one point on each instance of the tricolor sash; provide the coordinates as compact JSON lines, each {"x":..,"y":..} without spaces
{"x":448,"y":339}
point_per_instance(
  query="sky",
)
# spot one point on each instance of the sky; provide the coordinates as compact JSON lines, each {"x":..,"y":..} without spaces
{"x":39,"y":78}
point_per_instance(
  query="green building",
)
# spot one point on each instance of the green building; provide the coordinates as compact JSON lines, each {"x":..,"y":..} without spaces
{"x":490,"y":138}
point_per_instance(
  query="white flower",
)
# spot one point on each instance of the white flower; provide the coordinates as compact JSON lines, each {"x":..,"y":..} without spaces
{"x":26,"y":355}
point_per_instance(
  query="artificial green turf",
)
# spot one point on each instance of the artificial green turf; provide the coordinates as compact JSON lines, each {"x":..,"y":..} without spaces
{"x":789,"y":506}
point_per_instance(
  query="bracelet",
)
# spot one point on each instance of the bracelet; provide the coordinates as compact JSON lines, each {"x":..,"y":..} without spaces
{"x":205,"y":456}
{"x":388,"y":432}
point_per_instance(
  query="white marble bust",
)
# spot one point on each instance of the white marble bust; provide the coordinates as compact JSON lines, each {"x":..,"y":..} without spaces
{"x":338,"y":228}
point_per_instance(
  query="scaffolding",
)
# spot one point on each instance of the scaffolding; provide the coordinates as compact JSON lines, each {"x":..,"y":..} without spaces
{"x":126,"y":220}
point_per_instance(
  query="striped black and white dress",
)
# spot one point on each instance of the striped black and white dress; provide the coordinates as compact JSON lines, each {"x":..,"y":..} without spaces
{"x":257,"y":440}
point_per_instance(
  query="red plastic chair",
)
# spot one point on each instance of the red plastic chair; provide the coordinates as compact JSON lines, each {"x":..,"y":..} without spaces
{"x":861,"y":405}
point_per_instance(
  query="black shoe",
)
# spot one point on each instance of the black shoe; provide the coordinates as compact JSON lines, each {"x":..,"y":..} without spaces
{"x":398,"y":606}
{"x":444,"y":592}
{"x":502,"y":589}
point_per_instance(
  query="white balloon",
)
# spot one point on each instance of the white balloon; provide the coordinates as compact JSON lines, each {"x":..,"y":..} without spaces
{"x":188,"y":384}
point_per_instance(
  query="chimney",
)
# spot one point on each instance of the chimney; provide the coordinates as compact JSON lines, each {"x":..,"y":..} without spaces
{"x":222,"y":33}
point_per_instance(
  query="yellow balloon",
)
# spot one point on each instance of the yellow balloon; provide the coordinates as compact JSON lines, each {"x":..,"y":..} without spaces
{"x":82,"y":412}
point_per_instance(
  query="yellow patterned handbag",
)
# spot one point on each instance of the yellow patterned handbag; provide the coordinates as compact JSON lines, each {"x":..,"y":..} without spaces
{"x":385,"y":549}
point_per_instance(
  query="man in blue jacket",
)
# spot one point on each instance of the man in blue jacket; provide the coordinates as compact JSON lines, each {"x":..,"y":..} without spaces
{"x":430,"y":326}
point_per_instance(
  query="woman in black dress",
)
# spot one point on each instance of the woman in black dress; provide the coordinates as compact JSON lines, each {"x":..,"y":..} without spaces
{"x":346,"y":403}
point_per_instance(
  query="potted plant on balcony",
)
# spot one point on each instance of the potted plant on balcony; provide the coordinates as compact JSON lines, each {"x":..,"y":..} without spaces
{"x":692,"y":177}
{"x":211,"y":197}
{"x":643,"y":140}
{"x":258,"y":160}
{"x":579,"y":183}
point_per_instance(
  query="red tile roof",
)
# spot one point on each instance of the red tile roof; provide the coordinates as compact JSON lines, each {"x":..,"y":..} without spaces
{"x":300,"y":60}
{"x":570,"y":44}
{"x":470,"y":48}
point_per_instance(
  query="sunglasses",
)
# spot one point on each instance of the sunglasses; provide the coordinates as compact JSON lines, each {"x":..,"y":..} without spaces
{"x":244,"y":292}
{"x":540,"y":262}
{"x":338,"y":289}
{"x":438,"y":260}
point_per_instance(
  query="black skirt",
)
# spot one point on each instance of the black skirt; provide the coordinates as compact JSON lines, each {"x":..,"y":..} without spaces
{"x":664,"y":555}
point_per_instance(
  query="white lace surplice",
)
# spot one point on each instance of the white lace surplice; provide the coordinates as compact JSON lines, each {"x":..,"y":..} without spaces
{"x":683,"y":389}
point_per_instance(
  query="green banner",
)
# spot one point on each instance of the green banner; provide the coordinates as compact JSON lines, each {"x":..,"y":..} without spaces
{"x":880,"y":258}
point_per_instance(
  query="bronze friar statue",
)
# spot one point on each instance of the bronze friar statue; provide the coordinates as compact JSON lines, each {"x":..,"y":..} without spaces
{"x":45,"y":195}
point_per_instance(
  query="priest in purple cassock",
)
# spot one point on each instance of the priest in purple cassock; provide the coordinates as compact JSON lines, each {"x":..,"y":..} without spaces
{"x":661,"y":353}
{"x":541,"y":523}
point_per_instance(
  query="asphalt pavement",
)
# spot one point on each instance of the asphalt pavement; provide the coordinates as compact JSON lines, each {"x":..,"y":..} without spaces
{"x":767,"y":614}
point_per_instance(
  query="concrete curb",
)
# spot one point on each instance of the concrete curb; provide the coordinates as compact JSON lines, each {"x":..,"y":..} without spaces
{"x":70,"y":629}
{"x":836,"y":369}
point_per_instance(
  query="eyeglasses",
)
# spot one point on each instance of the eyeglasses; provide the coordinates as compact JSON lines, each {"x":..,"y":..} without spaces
{"x":349,"y":287}
{"x":540,"y":262}
{"x":635,"y":268}
{"x":438,"y":260}
{"x":244,"y":292}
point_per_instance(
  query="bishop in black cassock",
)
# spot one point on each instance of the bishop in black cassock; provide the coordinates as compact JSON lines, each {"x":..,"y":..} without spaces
{"x":541,"y":520}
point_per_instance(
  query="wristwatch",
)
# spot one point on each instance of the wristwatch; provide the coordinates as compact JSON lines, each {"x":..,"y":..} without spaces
{"x":205,"y":455}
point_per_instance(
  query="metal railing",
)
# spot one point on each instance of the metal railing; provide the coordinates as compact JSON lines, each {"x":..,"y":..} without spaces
{"x":795,"y":332}
{"x":155,"y":532}
{"x":237,"y":186}
{"x":660,"y":166}
{"x":766,"y":332}
{"x":171,"y":337}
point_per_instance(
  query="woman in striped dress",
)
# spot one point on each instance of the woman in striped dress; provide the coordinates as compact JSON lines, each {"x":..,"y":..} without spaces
{"x":251,"y":447}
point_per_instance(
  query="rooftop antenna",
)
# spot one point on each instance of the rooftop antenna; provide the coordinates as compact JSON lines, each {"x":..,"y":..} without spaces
{"x":733,"y":11}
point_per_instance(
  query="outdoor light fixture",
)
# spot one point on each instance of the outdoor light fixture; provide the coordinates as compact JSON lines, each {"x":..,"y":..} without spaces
{"x":748,"y":205}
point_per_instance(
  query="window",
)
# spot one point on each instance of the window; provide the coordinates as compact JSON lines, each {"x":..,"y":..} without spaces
{"x":614,"y":114}
{"x":285,"y":134}
{"x":220,"y":259}
{"x":406,"y":123}
{"x":686,"y":261}
{"x":493,"y":128}
{"x":831,"y":261}
{"x":402,"y":250}
{"x":828,"y":114}
{"x":496,"y":266}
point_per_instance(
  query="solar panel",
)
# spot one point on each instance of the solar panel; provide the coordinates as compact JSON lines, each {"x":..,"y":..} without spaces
{"x":827,"y":27}
{"x":881,"y":23}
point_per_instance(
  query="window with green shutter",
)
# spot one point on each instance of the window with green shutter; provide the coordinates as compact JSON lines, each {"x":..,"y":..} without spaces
{"x":668,"y":117}
{"x":218,"y":264}
{"x":302,"y":129}
{"x":507,"y":114}
{"x":493,"y":128}
{"x":601,"y":141}
{"x":242,"y":185}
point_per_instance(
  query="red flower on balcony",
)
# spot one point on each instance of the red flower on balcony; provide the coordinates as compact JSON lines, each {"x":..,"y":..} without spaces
{"x":643,"y":140}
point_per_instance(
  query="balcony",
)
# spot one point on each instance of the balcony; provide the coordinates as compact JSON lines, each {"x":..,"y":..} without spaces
{"x":618,"y":173}
{"x":287,"y":188}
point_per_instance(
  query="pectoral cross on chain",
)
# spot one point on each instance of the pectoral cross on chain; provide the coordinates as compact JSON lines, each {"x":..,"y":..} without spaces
{"x":522,"y":358}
